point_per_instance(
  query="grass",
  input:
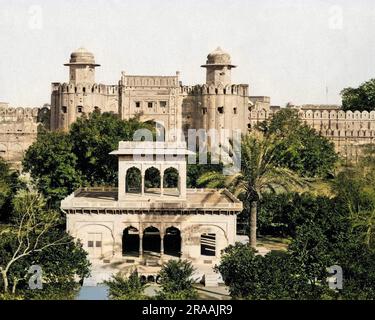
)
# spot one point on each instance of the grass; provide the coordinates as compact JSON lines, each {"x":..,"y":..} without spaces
{"x":274,"y":243}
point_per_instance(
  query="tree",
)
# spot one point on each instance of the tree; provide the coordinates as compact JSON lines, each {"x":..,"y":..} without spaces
{"x":9,"y":184}
{"x":121,"y":288}
{"x":359,"y":99}
{"x":33,"y":232}
{"x":260,"y":172}
{"x":196,"y":170}
{"x":300,"y":148}
{"x":277,"y":275}
{"x":176,"y":281}
{"x":93,"y":137}
{"x":53,"y":165}
{"x":355,"y":187}
{"x":62,"y":162}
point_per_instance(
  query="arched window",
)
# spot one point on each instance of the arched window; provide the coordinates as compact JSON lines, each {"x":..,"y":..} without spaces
{"x":133,"y":183}
{"x":170,"y":182}
{"x":152,"y":180}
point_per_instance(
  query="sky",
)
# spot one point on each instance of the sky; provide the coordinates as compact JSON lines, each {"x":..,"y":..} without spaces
{"x":299,"y":51}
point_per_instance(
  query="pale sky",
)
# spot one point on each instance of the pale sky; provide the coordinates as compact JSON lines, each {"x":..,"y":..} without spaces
{"x":290,"y":50}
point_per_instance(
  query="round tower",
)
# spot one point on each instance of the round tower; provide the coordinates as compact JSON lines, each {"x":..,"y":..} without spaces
{"x":218,"y":68}
{"x":82,"y":66}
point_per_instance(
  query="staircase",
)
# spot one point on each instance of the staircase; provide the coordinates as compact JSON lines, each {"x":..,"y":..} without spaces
{"x":211,"y":280}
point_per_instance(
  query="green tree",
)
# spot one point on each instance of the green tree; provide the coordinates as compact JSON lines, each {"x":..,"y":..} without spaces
{"x":53,"y":165}
{"x":300,"y":148}
{"x":35,"y":236}
{"x":361,"y":98}
{"x":122,"y":288}
{"x":9,"y":184}
{"x":176,"y":281}
{"x":355,"y":187}
{"x":61,"y":162}
{"x":276,"y":276}
{"x":260,"y":172}
{"x":93,"y":137}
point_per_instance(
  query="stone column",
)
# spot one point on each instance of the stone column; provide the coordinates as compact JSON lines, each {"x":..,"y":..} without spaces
{"x":162,"y":184}
{"x":140,"y":246}
{"x":143,"y":184}
{"x":161,"y":245}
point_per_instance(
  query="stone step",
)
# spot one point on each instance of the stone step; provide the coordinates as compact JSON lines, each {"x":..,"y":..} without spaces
{"x":152,"y":263}
{"x":211,"y":280}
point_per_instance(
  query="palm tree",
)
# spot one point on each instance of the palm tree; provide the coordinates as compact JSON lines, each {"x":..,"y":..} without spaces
{"x":259,"y":173}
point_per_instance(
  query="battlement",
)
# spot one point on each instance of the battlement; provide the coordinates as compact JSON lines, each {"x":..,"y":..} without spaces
{"x":234,"y":89}
{"x":149,"y":81}
{"x":84,"y":88}
{"x":15,"y":114}
{"x":337,"y":114}
{"x":321,"y":115}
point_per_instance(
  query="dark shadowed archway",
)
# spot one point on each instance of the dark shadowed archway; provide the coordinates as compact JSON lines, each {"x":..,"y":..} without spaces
{"x":172,"y":242}
{"x":151,"y":241}
{"x":130,"y":242}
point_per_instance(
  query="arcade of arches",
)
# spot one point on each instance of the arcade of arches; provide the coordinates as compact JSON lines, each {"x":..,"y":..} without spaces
{"x":151,"y":242}
{"x":153,"y":181}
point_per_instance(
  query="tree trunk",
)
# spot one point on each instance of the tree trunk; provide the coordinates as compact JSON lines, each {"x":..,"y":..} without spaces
{"x":5,"y":280}
{"x":15,"y":282}
{"x":253,"y":224}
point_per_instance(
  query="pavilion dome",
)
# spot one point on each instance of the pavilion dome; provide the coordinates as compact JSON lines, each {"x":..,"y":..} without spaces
{"x":219,"y":57}
{"x":82,"y":56}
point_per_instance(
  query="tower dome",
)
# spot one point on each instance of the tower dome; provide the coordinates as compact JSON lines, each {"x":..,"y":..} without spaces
{"x":82,"y":57}
{"x":219,"y":58}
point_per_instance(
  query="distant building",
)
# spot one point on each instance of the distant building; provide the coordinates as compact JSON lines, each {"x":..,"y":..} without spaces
{"x":216,"y":104}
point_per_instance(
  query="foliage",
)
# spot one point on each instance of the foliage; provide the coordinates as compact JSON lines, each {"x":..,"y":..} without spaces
{"x":259,"y":173}
{"x":176,"y":281}
{"x":355,"y":187}
{"x":195,"y":171}
{"x":93,"y":138}
{"x":35,"y":237}
{"x":53,"y":165}
{"x":9,"y":184}
{"x":121,"y":288}
{"x":300,"y":148}
{"x":62,"y":162}
{"x":361,"y":98}
{"x":280,"y":215}
{"x":274,"y":276}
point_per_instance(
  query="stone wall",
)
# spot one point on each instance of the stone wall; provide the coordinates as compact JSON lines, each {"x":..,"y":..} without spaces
{"x":18,"y":130}
{"x":347,"y":130}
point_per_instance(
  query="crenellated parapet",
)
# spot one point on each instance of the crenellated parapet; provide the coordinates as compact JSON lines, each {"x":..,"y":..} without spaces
{"x":18,"y":130}
{"x":82,"y":88}
{"x":234,"y":89}
{"x":348,"y":130}
{"x":18,"y":114}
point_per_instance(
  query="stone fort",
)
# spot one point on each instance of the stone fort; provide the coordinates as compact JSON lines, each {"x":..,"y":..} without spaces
{"x":217,"y":104}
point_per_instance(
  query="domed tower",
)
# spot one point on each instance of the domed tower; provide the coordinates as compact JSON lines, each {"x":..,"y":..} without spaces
{"x":82,"y":66}
{"x":218,"y":68}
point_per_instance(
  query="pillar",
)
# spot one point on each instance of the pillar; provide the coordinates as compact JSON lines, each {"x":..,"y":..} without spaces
{"x":143,"y":184}
{"x":161,"y":245}
{"x":162,"y":184}
{"x":140,"y":245}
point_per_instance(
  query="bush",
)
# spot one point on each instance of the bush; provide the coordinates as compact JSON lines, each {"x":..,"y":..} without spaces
{"x":276,"y":276}
{"x":121,"y":288}
{"x":176,"y":281}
